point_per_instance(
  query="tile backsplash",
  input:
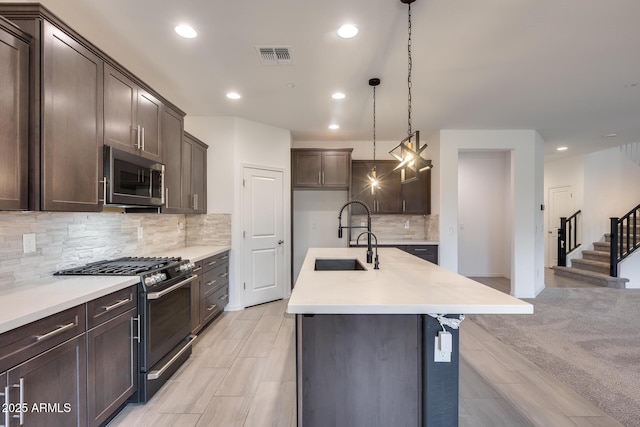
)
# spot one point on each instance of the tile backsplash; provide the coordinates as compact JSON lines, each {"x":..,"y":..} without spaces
{"x":65,"y":240}
{"x":402,"y":227}
{"x":211,"y":229}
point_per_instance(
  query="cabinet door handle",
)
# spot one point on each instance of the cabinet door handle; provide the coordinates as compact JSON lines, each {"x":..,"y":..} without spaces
{"x":6,"y":407}
{"x":211,"y":307}
{"x":142,"y":148}
{"x":166,"y":197}
{"x":116,"y":304}
{"x":320,"y":178}
{"x":21,"y":412}
{"x":210,"y":283}
{"x":104,"y":189}
{"x":224,"y":275}
{"x":137,"y":320}
{"x":138,"y":145}
{"x":403,"y":206}
{"x":59,"y":330}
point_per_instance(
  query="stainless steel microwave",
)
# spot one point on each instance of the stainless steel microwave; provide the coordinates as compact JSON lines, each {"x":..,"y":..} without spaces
{"x":131,"y":180}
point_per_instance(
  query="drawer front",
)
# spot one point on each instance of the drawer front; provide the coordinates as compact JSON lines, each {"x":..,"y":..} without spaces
{"x":215,"y":261}
{"x":214,"y":279}
{"x":21,"y":344}
{"x":214,"y":304}
{"x":109,"y":306}
{"x":427,"y":252}
{"x":198,"y":269}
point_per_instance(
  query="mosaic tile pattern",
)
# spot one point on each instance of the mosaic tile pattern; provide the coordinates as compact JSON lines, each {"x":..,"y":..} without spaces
{"x":392,"y":227}
{"x":65,"y":240}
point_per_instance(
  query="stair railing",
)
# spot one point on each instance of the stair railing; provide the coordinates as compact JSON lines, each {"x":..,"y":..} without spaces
{"x":624,"y":238}
{"x":567,"y":237}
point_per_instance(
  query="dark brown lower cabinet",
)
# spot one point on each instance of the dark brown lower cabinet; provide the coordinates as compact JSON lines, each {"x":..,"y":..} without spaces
{"x":210,"y":292}
{"x":111,"y":358}
{"x":196,"y":323}
{"x":49,"y":390}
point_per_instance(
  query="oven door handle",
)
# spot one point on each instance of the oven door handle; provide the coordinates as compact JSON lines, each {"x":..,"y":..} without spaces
{"x":154,"y":375}
{"x":157,"y":295}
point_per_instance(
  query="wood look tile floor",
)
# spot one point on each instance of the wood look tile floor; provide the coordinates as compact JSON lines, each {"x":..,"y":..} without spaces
{"x":242,"y":374}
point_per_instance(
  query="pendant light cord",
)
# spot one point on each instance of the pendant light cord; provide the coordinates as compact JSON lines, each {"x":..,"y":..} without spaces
{"x":374,"y":127}
{"x":409,"y":73}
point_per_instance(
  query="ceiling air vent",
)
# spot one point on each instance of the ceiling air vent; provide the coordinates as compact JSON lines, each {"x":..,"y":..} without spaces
{"x":270,"y":55}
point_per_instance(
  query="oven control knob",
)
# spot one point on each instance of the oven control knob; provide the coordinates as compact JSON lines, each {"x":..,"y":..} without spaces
{"x":149,"y":280}
{"x":163,"y":276}
{"x":192,"y":265}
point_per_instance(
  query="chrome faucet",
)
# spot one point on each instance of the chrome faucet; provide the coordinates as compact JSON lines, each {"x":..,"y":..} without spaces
{"x":368,"y":227}
{"x":376,"y":264}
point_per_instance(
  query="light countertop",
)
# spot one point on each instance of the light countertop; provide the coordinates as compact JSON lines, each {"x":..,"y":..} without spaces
{"x":382,"y":242}
{"x":404,"y":284}
{"x":22,"y":304}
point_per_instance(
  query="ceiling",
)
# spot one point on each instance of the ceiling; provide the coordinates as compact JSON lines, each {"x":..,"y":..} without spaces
{"x":567,"y":68}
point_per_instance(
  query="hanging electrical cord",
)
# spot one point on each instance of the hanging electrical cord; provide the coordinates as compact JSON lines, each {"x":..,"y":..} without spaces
{"x":448,"y":321}
{"x":373,"y":176}
{"x":409,"y":71}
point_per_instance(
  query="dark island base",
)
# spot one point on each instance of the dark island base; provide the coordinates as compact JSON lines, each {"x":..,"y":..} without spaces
{"x":374,"y":370}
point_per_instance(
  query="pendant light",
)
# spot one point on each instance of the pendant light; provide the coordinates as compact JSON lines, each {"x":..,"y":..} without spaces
{"x":409,"y":151}
{"x":373,"y":176}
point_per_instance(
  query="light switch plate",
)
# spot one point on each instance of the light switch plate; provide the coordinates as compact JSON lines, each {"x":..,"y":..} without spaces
{"x":29,"y":243}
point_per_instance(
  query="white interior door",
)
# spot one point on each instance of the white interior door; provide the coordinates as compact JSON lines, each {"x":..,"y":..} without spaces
{"x":263,"y":258}
{"x":560,"y":205}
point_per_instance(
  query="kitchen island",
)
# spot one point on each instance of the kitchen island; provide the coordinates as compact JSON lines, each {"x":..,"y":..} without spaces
{"x":367,"y":343}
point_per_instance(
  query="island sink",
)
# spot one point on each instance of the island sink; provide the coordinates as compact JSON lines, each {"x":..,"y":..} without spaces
{"x":338,"y":264}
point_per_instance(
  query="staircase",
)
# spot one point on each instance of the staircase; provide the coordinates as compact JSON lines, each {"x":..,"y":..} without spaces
{"x":593,"y":267}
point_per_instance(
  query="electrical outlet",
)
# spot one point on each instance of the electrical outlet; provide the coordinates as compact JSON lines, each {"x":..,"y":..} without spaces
{"x":442,"y":347}
{"x":29,"y":243}
{"x":140,"y":233}
{"x":406,"y":225}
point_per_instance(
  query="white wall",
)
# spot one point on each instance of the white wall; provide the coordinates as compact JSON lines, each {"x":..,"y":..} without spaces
{"x":483,"y":182}
{"x":235,"y":143}
{"x":527,"y":251}
{"x":220,"y":134}
{"x":315,"y":222}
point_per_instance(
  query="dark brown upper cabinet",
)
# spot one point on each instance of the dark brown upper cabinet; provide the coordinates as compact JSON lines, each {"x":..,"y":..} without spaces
{"x":14,"y":117}
{"x":66,"y":133}
{"x":391,"y":197}
{"x":194,"y":174}
{"x":321,"y":169}
{"x":171,"y":130}
{"x":132,"y":116}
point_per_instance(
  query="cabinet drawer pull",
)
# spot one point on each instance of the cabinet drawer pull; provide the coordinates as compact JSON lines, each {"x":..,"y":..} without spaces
{"x":224,"y":275}
{"x":225,"y":257}
{"x":403,"y":206}
{"x":210,"y":283}
{"x":116,"y":305}
{"x":211,"y":307}
{"x":213,"y":262}
{"x":419,"y":250}
{"x":224,"y":297}
{"x":59,"y":330}
{"x":197,"y":269}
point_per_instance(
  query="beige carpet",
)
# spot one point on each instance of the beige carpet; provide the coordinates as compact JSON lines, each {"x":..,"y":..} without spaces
{"x":588,"y":338}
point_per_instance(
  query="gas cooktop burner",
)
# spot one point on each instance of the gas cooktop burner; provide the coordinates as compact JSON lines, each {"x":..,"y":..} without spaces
{"x":126,"y":266}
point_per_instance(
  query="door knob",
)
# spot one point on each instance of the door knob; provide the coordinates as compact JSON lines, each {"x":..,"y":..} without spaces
{"x":280,"y":242}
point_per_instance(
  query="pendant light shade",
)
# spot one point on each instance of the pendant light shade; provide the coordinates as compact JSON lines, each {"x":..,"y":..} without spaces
{"x":409,"y":151}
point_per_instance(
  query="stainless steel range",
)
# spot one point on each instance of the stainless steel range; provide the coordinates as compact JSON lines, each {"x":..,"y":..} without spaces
{"x":164,"y":314}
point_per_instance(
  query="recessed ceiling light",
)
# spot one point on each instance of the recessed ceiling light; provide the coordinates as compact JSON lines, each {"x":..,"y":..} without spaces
{"x":611,"y":135}
{"x":562,"y":148}
{"x":338,"y":95}
{"x":186,"y":31}
{"x":347,"y":31}
{"x":233,"y":95}
{"x":334,"y":127}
